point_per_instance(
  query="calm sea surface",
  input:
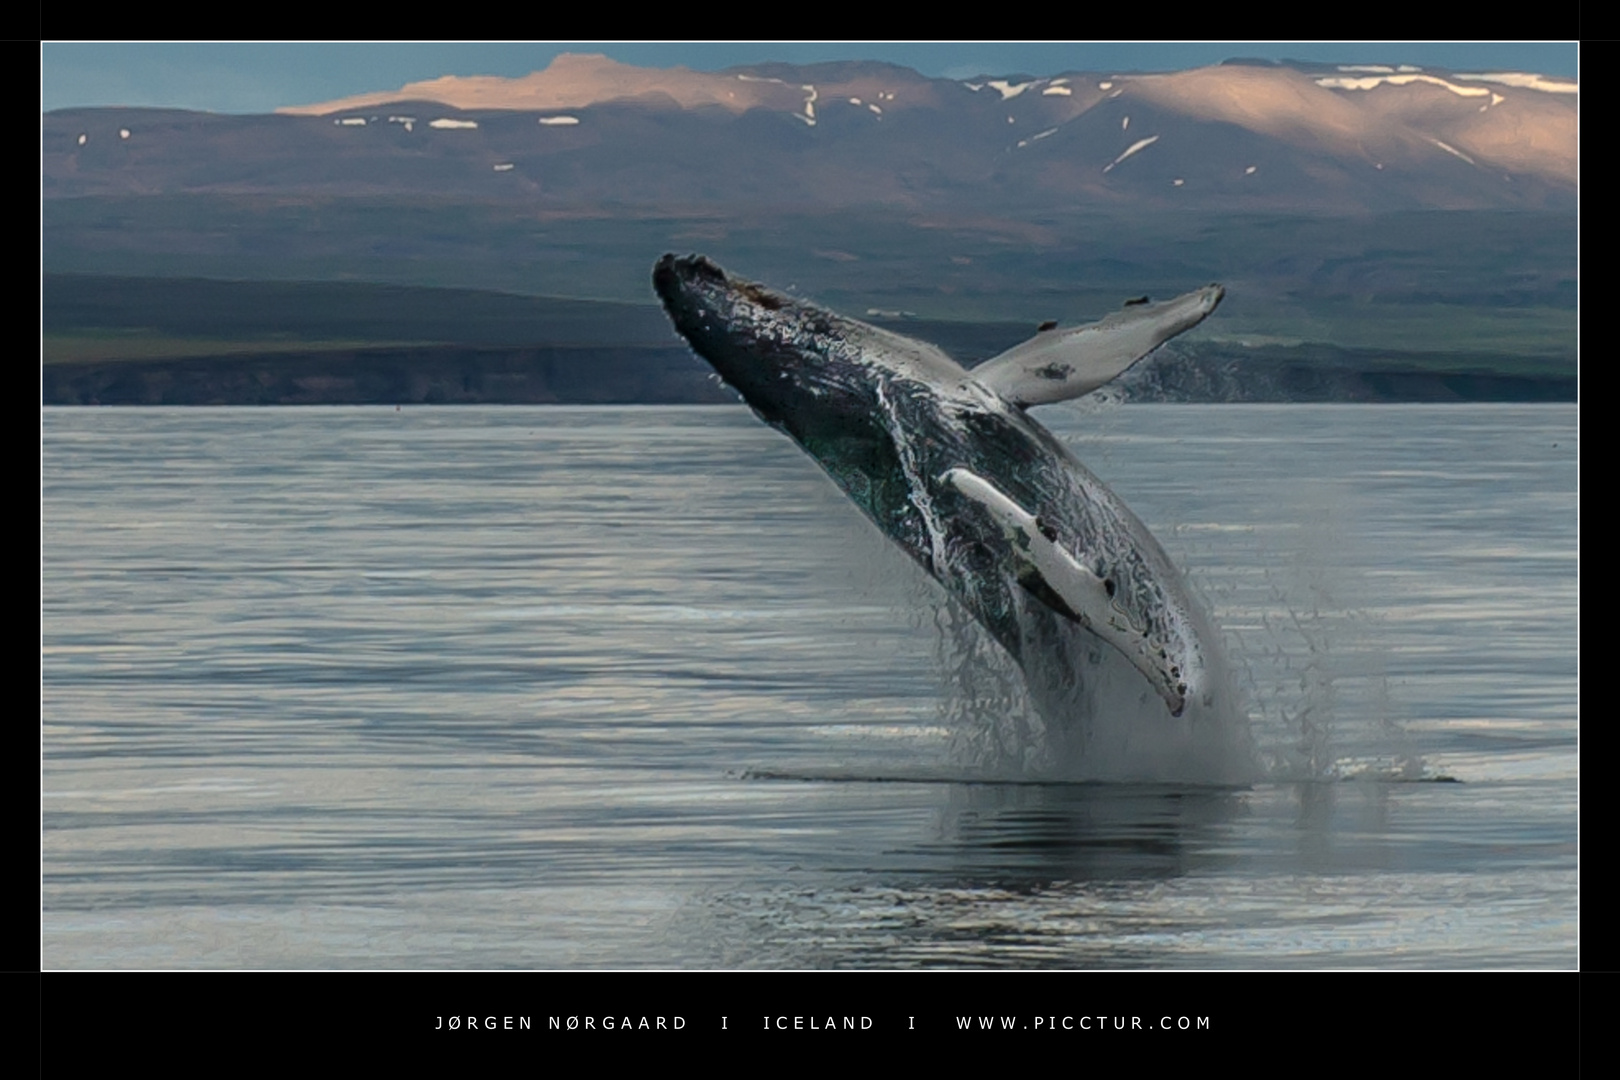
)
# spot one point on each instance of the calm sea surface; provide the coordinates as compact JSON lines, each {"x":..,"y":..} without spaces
{"x":637,"y":687}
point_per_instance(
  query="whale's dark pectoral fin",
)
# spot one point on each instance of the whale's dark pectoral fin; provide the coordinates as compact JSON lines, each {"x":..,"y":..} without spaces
{"x":1059,"y":365}
{"x":1038,"y":587}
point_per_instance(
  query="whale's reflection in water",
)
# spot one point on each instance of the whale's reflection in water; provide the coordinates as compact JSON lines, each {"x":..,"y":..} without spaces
{"x":1033,"y":834}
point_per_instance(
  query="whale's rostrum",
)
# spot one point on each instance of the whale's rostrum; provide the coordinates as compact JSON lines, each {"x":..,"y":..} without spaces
{"x":950,"y":466}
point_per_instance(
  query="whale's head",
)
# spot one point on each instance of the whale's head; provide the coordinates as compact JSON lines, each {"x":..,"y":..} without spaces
{"x":782,"y":355}
{"x":813,"y":375}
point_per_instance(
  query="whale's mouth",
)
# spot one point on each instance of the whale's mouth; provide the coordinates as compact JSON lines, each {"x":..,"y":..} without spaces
{"x":700,"y":299}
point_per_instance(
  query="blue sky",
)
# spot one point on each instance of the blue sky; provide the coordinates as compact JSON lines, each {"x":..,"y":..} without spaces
{"x":258,"y":77}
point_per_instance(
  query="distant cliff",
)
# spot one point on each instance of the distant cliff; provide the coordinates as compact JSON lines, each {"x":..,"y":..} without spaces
{"x":156,"y":341}
{"x":448,"y":375}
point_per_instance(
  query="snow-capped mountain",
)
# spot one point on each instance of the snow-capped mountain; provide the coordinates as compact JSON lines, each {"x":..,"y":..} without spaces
{"x":588,"y":132}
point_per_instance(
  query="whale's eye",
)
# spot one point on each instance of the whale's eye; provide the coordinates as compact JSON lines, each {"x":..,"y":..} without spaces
{"x":1108,"y":587}
{"x":1047,"y":531}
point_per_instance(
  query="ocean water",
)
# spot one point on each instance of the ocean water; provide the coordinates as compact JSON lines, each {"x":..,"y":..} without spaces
{"x":638,"y":688}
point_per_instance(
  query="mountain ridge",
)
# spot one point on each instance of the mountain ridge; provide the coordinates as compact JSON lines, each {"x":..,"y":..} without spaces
{"x":591,"y":131}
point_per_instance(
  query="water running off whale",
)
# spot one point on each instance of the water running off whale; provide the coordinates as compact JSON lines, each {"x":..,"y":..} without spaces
{"x":951,"y":467}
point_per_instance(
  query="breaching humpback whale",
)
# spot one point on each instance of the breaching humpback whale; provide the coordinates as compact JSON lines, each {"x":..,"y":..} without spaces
{"x":951,"y":467}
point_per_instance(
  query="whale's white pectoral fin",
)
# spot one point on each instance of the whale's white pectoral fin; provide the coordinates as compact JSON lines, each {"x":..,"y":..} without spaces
{"x":1056,"y":365}
{"x":1044,"y":568}
{"x":1067,"y":586}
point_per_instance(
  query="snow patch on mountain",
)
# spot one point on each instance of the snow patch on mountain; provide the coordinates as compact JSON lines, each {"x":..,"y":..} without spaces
{"x":1138,"y":145}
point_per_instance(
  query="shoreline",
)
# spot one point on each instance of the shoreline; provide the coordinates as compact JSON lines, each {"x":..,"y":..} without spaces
{"x":629,"y":375}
